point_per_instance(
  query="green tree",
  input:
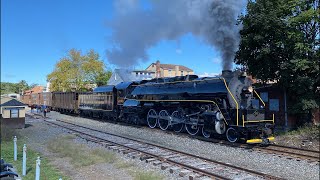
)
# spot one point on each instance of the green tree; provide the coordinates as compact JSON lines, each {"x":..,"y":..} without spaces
{"x":280,"y":42}
{"x":75,"y":72}
{"x":21,"y":86}
{"x":102,"y":78}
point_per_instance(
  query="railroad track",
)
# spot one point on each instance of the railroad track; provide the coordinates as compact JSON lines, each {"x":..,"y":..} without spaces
{"x":292,"y":152}
{"x":281,"y":151}
{"x":288,"y":152}
{"x":176,"y":161}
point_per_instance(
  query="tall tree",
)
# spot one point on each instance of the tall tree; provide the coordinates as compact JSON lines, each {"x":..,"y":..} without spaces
{"x":21,"y":86}
{"x":280,"y":42}
{"x":75,"y":71}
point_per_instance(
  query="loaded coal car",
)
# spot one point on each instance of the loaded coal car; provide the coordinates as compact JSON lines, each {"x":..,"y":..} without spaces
{"x":213,"y":106}
{"x":26,"y":99}
{"x":100,"y":103}
{"x":35,"y":100}
{"x":45,"y":100}
{"x":65,"y":102}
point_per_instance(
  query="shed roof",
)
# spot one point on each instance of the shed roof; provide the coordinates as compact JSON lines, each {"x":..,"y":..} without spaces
{"x":7,"y":101}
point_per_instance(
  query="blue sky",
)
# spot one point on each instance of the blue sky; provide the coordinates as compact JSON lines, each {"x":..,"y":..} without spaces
{"x":35,"y":34}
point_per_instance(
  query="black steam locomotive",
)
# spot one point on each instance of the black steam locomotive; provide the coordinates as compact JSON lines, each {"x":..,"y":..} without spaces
{"x":219,"y":106}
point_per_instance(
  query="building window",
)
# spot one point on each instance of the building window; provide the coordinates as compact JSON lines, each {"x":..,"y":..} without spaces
{"x":14,"y":113}
{"x":255,"y":103}
{"x":181,"y":73}
{"x":274,"y":105}
{"x":137,"y":74}
{"x":264,"y":96}
{"x":169,"y":72}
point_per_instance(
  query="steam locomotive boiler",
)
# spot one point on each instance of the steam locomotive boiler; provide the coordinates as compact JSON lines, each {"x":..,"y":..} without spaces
{"x":213,"y":106}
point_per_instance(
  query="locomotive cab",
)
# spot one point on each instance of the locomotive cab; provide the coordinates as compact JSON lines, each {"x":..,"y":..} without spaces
{"x":250,"y":122}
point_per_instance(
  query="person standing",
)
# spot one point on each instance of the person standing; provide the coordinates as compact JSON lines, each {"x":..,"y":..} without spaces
{"x":45,"y":112}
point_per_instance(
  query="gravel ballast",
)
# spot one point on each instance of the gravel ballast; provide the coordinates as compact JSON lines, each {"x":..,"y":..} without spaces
{"x":38,"y":133}
{"x":266,"y":163}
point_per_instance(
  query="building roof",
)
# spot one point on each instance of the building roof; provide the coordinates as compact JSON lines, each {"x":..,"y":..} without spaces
{"x":125,"y":75}
{"x":146,"y":71}
{"x":7,"y":101}
{"x":36,"y":89}
{"x":173,"y":66}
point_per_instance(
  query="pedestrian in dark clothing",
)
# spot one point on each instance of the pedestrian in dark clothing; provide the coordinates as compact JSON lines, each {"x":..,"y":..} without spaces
{"x":45,"y":112}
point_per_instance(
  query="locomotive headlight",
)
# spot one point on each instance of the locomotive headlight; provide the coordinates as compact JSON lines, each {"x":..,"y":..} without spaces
{"x":247,"y":90}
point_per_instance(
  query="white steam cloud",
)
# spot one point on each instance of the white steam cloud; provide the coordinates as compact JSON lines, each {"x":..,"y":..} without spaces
{"x":137,"y":28}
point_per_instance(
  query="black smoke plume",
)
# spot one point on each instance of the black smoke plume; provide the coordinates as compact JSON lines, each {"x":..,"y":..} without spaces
{"x":136,"y":27}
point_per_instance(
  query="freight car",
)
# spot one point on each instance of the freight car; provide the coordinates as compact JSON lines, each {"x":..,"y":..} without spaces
{"x":65,"y":102}
{"x":45,"y":100}
{"x":99,"y":104}
{"x":220,"y":106}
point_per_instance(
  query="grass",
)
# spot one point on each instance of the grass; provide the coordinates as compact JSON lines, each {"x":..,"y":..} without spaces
{"x":306,"y":136}
{"x":80,"y":155}
{"x":141,"y":175}
{"x":47,"y":171}
{"x":123,"y":165}
{"x":307,"y":131}
{"x":137,"y":173}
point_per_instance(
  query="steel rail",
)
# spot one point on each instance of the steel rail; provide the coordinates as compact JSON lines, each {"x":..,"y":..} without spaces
{"x":300,"y":149}
{"x":253,"y":147}
{"x":180,"y":152}
{"x":194,"y":169}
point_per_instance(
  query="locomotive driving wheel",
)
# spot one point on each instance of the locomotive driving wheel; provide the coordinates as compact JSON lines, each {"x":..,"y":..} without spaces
{"x":152,"y":118}
{"x":177,"y":123}
{"x":192,"y":127}
{"x":205,"y":133}
{"x":164,"y":120}
{"x":232,"y":135}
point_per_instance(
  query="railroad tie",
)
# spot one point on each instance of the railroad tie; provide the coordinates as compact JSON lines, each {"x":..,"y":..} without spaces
{"x":194,"y":176}
{"x":127,"y":151}
{"x":184,"y":172}
{"x":150,"y":160}
{"x":174,"y":169}
{"x":165,"y":166}
{"x":144,"y":157}
{"x":156,"y":163}
{"x":133,"y":155}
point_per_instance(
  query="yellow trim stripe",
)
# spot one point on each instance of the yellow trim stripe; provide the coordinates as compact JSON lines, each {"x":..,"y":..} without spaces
{"x":259,"y":97}
{"x":237,"y":105}
{"x":273,"y":118}
{"x":242,"y":120}
{"x":258,"y":121}
{"x":259,"y":140}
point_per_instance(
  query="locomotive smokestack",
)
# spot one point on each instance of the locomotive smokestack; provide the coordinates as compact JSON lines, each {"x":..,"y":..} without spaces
{"x":227,"y":74}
